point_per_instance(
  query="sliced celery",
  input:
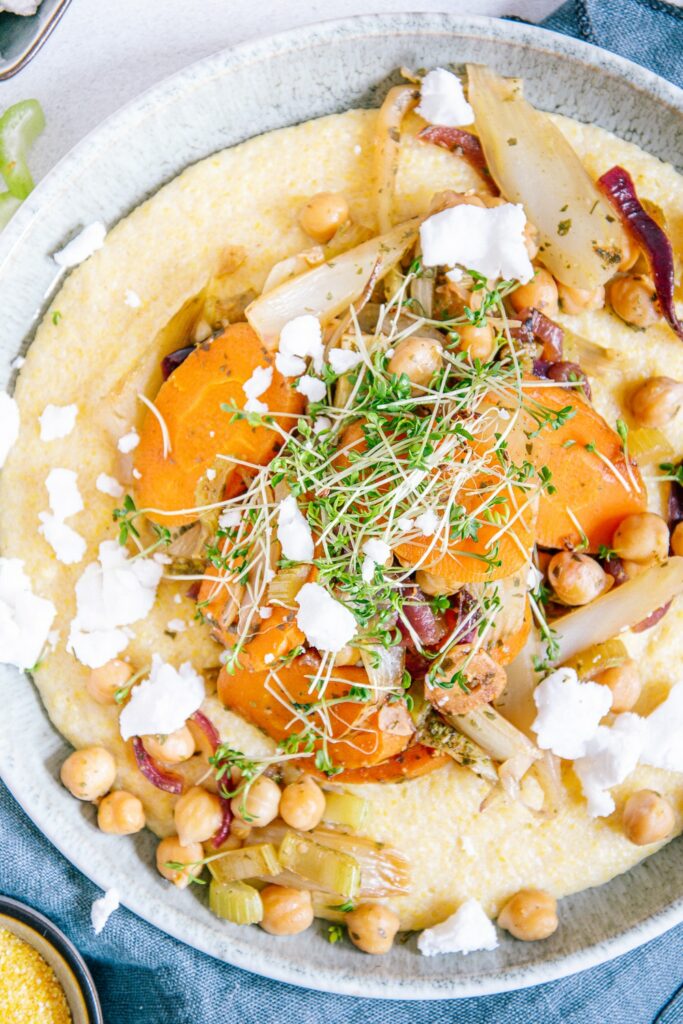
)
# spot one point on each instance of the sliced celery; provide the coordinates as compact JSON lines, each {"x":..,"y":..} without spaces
{"x":598,"y":658}
{"x":345,"y":809}
{"x":331,"y":870}
{"x":247,"y":862}
{"x":236,"y":902}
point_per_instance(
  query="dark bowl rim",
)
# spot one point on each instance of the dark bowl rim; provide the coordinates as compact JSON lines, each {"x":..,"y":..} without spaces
{"x":43,"y":30}
{"x":34,"y":919}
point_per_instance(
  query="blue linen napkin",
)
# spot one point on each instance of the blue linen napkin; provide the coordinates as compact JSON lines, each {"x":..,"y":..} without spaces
{"x":144,"y":977}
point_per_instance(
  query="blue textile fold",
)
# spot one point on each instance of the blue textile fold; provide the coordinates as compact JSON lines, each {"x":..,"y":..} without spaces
{"x":145,"y":977}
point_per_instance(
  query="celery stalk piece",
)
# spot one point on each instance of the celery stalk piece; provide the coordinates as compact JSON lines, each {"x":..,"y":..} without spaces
{"x":346,"y":809}
{"x":247,"y":862}
{"x":20,"y":126}
{"x":236,"y":902}
{"x":331,"y":870}
{"x":598,"y":658}
{"x":436,"y":732}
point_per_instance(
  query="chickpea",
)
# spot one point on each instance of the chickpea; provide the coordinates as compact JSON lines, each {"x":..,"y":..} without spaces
{"x":171,"y":851}
{"x":347,"y":656}
{"x":240,"y":830}
{"x":258,"y":804}
{"x":103,"y":682}
{"x":642,"y":538}
{"x":576,"y":578}
{"x":172,"y":749}
{"x":302,"y":804}
{"x":435,"y":586}
{"x":634,"y":300}
{"x":656,"y":402}
{"x":647,"y":818}
{"x":121,"y":814}
{"x":286,"y":911}
{"x":478,"y":342}
{"x":372,"y":927}
{"x":89,"y":773}
{"x":419,"y":358}
{"x":630,"y":254}
{"x":625,"y":683}
{"x":540,"y":293}
{"x":530,"y":915}
{"x":677,"y":539}
{"x":580,"y":300}
{"x":198,"y":815}
{"x":323,"y":215}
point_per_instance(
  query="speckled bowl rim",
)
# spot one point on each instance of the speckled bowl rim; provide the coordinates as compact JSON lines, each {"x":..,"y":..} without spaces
{"x":169,"y":918}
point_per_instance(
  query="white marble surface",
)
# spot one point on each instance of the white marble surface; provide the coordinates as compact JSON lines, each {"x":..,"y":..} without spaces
{"x":104,"y":53}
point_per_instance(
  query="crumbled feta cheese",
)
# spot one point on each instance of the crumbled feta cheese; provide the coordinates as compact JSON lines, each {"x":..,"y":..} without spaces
{"x":115,"y":591}
{"x":299,"y":339}
{"x":569,"y":712}
{"x":265,"y":612}
{"x":442,"y":100}
{"x":211,"y":474}
{"x":342,"y":359}
{"x":68,"y":545}
{"x":129,"y":441}
{"x":17,"y":362}
{"x":103,"y":908}
{"x":312,"y":387}
{"x":64,"y":496}
{"x":427,"y":523}
{"x":377,"y":549}
{"x":109,"y":485}
{"x":367,"y":569}
{"x":9,"y":425}
{"x":662,"y":747}
{"x":132,"y":299}
{"x":488,"y":240}
{"x":229,"y":519}
{"x":57,"y":421}
{"x":465,"y":931}
{"x":25,"y":619}
{"x":405,"y":524}
{"x":258,"y":383}
{"x":326,"y":623}
{"x":611,"y":754}
{"x":257,"y":406}
{"x":163,"y":702}
{"x":322,"y":424}
{"x":176,"y":625}
{"x":293,"y":531}
{"x":22,"y":7}
{"x":86,"y":242}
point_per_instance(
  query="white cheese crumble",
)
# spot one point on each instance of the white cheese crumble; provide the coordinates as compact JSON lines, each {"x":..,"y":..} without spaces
{"x":86,"y":242}
{"x":300,"y":338}
{"x":662,"y":746}
{"x":405,"y":524}
{"x":442,"y":100}
{"x":322,"y":424}
{"x":132,"y":299}
{"x":57,"y":421}
{"x":113,"y":592}
{"x":488,"y":240}
{"x":376,"y":549}
{"x":109,"y":485}
{"x":611,"y":754}
{"x":465,"y":931}
{"x":312,"y":387}
{"x":25,"y":619}
{"x":103,"y":908}
{"x":129,"y":441}
{"x":258,"y":383}
{"x":229,"y":519}
{"x":569,"y":712}
{"x":64,"y":496}
{"x":68,"y":545}
{"x":342,"y":359}
{"x":9,"y":425}
{"x":326,"y":623}
{"x":427,"y":523}
{"x":293,"y":531}
{"x":163,"y":702}
{"x":367,"y":570}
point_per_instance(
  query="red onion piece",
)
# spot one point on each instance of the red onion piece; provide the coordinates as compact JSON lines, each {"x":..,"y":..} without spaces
{"x":153,"y":772}
{"x":455,"y":140}
{"x":208,"y":728}
{"x":618,"y":187}
{"x":562,"y":372}
{"x":652,"y":619}
{"x":175,"y":359}
{"x":536,"y":326}
{"x":614,"y":567}
{"x":429,"y":626}
{"x":224,"y":829}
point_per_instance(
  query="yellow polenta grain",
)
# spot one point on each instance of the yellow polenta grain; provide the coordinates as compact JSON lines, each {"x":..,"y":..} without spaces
{"x":29,"y":990}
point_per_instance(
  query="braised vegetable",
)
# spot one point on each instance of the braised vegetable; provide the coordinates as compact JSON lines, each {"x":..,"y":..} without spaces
{"x":20,"y":126}
{"x":347,"y":810}
{"x":435,"y":731}
{"x":598,"y":658}
{"x":246,"y":862}
{"x":235,"y":901}
{"x":329,"y":870}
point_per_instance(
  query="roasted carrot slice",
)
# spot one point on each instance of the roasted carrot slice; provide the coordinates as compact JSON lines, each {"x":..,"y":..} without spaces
{"x":410,"y":764}
{"x":506,"y":650}
{"x":357,"y":737}
{"x":189,"y":403}
{"x":277,"y":636}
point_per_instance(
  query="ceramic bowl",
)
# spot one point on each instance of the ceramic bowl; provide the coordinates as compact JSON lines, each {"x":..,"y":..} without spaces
{"x":216,"y":103}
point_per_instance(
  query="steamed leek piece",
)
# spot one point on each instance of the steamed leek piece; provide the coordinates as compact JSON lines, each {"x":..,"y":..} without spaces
{"x":396,"y":105}
{"x":346,"y":810}
{"x":236,"y":902}
{"x":286,"y":584}
{"x":330,"y":289}
{"x":436,"y":732}
{"x":598,"y":658}
{"x":247,"y":862}
{"x":581,"y":241}
{"x":384,"y":667}
{"x":649,"y":444}
{"x":329,"y":870}
{"x":502,"y":741}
